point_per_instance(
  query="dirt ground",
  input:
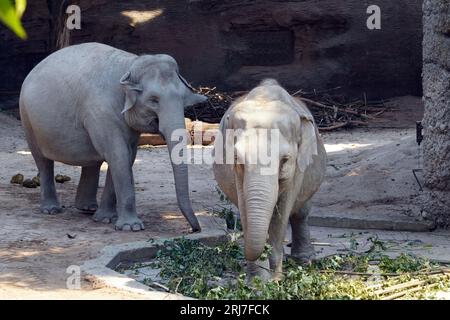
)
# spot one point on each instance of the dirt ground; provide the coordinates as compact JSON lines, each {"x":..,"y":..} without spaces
{"x":369,"y":172}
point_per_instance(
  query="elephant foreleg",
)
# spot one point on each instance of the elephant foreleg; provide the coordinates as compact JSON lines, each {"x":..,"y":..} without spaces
{"x":106,"y":213}
{"x":302,"y":249}
{"x":86,"y":199}
{"x":120,"y":163}
{"x":277,"y":231}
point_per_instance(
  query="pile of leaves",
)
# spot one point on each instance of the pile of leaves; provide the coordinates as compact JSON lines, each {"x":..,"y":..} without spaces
{"x":331,"y":109}
{"x":196,"y":270}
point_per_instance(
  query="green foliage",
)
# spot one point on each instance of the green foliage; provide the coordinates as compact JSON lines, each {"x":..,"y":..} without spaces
{"x":267,"y":251}
{"x":225,"y":212}
{"x":196,"y":270}
{"x":404,"y":263}
{"x":10,"y":15}
{"x":297,"y":284}
{"x":347,"y":262}
{"x":192,"y":267}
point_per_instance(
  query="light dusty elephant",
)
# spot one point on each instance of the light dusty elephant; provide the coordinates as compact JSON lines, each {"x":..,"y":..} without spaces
{"x":88,"y":103}
{"x":267,"y":202}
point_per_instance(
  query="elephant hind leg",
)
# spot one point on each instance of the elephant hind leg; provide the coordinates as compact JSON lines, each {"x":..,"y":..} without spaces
{"x":86,"y":199}
{"x":302,"y":249}
{"x":49,"y":199}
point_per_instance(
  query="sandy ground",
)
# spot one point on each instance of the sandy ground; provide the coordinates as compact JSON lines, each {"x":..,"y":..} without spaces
{"x":368,"y":172}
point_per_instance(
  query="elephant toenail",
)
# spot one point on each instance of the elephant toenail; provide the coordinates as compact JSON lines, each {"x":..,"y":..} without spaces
{"x":126,"y":227}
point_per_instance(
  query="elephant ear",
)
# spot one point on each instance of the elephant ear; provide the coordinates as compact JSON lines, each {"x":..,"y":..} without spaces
{"x":308,"y":143}
{"x":307,"y":134}
{"x":191,"y":97}
{"x":131,"y":91}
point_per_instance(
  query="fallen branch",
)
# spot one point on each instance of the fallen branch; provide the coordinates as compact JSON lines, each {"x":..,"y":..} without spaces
{"x":406,"y":292}
{"x":367,"y":274}
{"x":321,"y":105}
{"x":159,"y":285}
{"x":342,"y":125}
{"x":336,"y":126}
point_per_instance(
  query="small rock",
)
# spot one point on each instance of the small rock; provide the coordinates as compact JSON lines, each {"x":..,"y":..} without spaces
{"x":61,"y":178}
{"x":28,"y":183}
{"x":37,"y":180}
{"x":17,"y":179}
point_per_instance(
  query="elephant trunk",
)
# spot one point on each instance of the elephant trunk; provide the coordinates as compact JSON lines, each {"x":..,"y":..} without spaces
{"x":173,"y":128}
{"x":261,"y":198}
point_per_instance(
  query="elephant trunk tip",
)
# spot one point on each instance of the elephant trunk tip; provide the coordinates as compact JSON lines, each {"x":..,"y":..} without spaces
{"x":252,"y":253}
{"x":196,"y":229}
{"x":193,"y":222}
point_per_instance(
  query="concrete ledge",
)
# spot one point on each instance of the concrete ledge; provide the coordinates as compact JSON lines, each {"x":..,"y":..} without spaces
{"x":380,"y":222}
{"x":100,"y":271}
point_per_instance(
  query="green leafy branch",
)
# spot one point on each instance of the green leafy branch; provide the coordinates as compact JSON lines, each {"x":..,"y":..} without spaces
{"x":10,"y":14}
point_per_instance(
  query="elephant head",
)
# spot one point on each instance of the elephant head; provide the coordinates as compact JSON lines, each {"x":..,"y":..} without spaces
{"x":155,"y":97}
{"x":274,"y":140}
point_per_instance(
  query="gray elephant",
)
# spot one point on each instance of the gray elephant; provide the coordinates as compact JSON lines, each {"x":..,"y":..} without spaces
{"x":269,"y":199}
{"x":88,"y":103}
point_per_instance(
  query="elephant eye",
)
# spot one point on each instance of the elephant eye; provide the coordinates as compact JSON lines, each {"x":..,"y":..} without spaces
{"x":154,"y":99}
{"x":284,"y":160}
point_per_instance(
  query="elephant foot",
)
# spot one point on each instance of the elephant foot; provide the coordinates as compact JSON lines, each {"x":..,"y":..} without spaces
{"x":129,"y":223}
{"x":304,"y":256}
{"x":104,"y":216}
{"x":51,"y":208}
{"x":89,"y":208}
{"x":260,"y":269}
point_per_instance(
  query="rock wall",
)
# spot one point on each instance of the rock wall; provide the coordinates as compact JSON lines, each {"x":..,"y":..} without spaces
{"x":436,"y":84}
{"x":233,"y":44}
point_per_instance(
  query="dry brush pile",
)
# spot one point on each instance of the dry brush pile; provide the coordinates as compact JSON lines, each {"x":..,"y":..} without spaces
{"x":331,"y":110}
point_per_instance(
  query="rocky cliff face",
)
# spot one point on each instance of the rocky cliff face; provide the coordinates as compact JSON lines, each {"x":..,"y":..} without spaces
{"x":233,"y":44}
{"x":436,"y":122}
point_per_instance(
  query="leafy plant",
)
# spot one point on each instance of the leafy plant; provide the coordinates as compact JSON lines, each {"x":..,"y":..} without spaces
{"x":404,"y":263}
{"x":225,"y":212}
{"x":200,"y":271}
{"x":192,"y":267}
{"x":345,"y":262}
{"x":11,"y":13}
